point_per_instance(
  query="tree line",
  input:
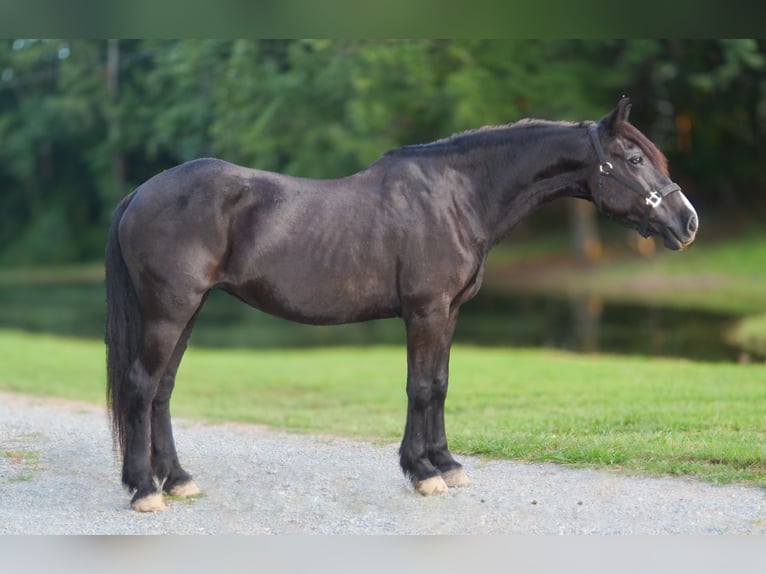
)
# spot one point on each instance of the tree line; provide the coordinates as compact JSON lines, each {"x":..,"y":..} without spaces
{"x":82,"y":122}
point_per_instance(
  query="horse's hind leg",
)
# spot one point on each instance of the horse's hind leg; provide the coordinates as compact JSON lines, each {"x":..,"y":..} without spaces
{"x":165,"y":465}
{"x":160,"y":352}
{"x":159,"y":342}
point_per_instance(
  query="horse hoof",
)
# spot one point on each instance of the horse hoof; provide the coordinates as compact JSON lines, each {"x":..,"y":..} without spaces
{"x":188,"y":488}
{"x":149,"y":503}
{"x":455,"y":477}
{"x":429,"y":486}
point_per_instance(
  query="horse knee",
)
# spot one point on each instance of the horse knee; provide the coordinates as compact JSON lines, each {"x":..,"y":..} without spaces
{"x":439,"y":389}
{"x":419,"y":394}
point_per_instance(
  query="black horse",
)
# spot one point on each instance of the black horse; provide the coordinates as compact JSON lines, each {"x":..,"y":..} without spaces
{"x":406,"y":237}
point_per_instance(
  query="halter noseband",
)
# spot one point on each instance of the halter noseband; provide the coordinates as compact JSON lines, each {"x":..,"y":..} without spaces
{"x":653,"y":199}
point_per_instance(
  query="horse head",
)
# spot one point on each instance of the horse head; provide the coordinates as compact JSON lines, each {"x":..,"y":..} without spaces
{"x":631,"y":182}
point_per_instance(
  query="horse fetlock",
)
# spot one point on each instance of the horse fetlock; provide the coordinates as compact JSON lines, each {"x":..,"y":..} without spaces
{"x":135,"y":482}
{"x":161,"y":469}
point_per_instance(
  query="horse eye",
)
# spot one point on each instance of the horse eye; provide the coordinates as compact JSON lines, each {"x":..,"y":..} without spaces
{"x":637,"y":160}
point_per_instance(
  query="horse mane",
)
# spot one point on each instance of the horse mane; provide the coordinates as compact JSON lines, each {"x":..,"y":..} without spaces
{"x":486,"y":136}
{"x":631,"y":132}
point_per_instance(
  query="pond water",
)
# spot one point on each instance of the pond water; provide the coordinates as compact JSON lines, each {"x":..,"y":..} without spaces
{"x":491,"y":319}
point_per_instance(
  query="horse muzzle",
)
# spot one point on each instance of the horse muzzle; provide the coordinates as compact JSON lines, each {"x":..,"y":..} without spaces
{"x":678,"y":237}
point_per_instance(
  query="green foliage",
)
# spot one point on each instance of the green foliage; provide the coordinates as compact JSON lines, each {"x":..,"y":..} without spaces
{"x":50,"y":128}
{"x":84,"y":121}
{"x":661,"y":416}
{"x":46,"y":238}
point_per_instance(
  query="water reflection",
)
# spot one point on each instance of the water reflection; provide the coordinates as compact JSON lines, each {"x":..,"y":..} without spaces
{"x":589,"y":324}
{"x":584,"y":324}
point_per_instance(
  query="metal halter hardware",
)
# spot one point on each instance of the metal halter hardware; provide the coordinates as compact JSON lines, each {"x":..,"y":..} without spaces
{"x":652,"y":198}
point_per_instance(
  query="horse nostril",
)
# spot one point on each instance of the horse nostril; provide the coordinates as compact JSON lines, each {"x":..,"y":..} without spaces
{"x":691,"y":225}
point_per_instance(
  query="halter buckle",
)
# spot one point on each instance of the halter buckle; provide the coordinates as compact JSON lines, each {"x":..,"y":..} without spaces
{"x":605,"y":168}
{"x":654,"y":199}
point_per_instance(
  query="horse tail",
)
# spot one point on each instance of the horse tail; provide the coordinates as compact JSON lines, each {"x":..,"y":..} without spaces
{"x":123,"y":327}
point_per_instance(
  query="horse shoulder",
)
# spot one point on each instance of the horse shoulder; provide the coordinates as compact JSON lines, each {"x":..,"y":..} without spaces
{"x":443,"y":246}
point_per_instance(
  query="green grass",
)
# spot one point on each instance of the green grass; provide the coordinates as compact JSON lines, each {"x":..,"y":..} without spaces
{"x":640,"y":415}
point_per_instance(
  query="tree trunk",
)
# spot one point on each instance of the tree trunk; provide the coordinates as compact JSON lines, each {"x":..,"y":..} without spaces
{"x":114,"y":135}
{"x":585,"y":240}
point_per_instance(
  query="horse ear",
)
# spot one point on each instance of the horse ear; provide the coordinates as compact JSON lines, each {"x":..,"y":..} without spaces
{"x":611,"y":122}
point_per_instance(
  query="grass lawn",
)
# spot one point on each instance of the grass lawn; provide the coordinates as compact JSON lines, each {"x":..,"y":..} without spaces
{"x":639,"y":415}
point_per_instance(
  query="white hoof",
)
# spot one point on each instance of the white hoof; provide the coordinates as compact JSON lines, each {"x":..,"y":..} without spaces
{"x":184,"y":489}
{"x":150,"y":503}
{"x":455,"y":477}
{"x":429,"y":486}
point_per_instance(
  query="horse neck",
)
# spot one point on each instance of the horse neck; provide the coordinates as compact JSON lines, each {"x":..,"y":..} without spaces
{"x":541,"y":164}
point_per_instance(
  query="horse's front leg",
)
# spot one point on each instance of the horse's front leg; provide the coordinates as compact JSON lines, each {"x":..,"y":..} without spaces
{"x":438,"y":451}
{"x":424,"y":337}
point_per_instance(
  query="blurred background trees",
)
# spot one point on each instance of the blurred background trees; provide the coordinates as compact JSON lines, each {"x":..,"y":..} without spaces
{"x":83,"y":122}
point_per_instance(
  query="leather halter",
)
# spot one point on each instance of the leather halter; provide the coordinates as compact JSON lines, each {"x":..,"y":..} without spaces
{"x":653,"y":199}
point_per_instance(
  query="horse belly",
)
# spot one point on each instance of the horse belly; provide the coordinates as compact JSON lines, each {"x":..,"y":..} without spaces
{"x":320,"y":297}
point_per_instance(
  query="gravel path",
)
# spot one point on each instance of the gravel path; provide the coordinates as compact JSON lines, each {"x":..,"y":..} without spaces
{"x":58,"y":475}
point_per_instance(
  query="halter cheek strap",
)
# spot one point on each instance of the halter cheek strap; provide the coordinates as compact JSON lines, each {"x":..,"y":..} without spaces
{"x":653,"y":199}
